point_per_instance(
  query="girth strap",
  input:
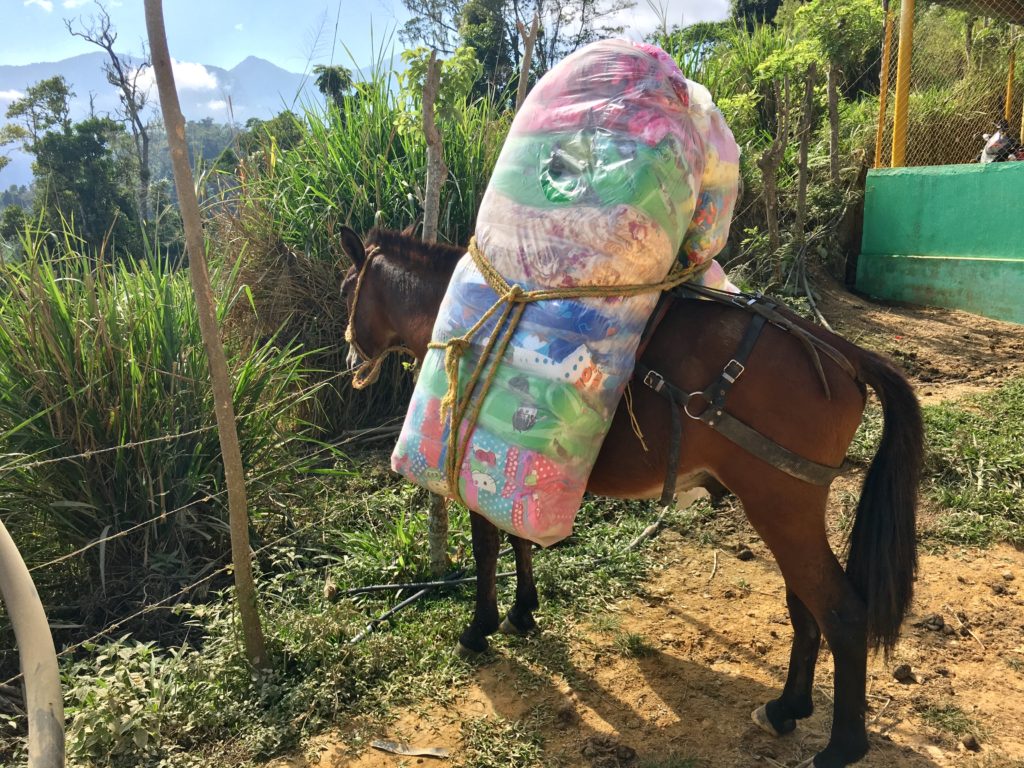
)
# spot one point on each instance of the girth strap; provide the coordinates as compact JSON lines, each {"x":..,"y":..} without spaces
{"x":718,"y":418}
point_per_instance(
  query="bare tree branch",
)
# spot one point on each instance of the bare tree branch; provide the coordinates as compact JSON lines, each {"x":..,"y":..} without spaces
{"x":120,"y":73}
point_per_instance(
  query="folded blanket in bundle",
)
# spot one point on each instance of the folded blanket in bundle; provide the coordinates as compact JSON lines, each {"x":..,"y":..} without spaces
{"x":615,"y":166}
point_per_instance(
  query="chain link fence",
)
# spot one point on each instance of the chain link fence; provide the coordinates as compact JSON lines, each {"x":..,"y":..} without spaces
{"x":962,"y":79}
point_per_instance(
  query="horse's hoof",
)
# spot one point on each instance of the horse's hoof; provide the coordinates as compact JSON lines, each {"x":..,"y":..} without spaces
{"x":760,"y":718}
{"x":508,"y":628}
{"x":466,"y":653}
{"x":840,"y":757}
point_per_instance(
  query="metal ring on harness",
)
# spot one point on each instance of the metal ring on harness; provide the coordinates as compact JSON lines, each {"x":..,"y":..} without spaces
{"x":686,"y":405}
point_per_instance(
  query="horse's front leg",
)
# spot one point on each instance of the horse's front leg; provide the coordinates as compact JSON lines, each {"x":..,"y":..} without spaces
{"x":520,"y":619}
{"x":485,"y":616}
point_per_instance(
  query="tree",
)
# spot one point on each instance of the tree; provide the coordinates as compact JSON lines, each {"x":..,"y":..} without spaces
{"x":12,"y":222}
{"x":43,"y":107}
{"x":568,"y":25}
{"x":490,"y":28}
{"x":125,"y":77}
{"x":17,"y":195}
{"x":77,"y":180}
{"x":434,"y":23}
{"x":458,"y":75}
{"x":846,"y":36}
{"x":750,"y":13}
{"x":285,"y":129}
{"x":334,"y":83}
{"x":482,"y":28}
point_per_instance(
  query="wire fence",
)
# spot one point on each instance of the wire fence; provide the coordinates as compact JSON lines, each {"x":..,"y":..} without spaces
{"x":175,"y":597}
{"x":960,"y":72}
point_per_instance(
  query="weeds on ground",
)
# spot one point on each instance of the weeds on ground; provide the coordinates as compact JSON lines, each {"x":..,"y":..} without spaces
{"x":672,"y":761}
{"x":974,"y":464}
{"x":633,"y":646}
{"x":200,"y":704}
{"x":496,"y":741}
{"x":950,"y":719}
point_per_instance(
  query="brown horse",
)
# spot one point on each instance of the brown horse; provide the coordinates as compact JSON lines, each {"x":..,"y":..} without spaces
{"x":781,"y":395}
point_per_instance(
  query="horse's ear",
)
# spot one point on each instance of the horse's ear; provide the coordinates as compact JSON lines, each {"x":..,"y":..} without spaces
{"x":352,"y":244}
{"x":410,"y":231}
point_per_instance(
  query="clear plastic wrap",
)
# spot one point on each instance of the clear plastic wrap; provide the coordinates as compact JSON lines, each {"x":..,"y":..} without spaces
{"x":614,"y":165}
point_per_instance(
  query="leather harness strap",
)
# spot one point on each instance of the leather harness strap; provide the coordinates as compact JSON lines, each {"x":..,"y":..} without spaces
{"x":759,"y":304}
{"x":665,"y":301}
{"x":718,"y":418}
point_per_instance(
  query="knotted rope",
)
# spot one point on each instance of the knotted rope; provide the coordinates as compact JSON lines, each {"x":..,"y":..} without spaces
{"x":464,"y":408}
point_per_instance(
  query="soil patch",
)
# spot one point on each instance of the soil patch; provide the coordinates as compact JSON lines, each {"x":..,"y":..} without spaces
{"x":668,"y":678}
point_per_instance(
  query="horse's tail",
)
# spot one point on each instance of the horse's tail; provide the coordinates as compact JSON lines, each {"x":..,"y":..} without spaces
{"x":882,"y":558}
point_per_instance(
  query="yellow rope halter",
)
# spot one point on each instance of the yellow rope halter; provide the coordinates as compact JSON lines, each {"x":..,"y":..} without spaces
{"x":369,"y":370}
{"x":512,"y":300}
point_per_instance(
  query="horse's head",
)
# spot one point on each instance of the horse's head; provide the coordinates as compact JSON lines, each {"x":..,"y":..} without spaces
{"x":370,"y":332}
{"x":393,"y":290}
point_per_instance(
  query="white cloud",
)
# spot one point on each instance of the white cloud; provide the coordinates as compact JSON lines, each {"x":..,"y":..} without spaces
{"x":46,"y":5}
{"x":239,"y":27}
{"x":217,"y":105}
{"x":188,"y":76}
{"x":647,"y":16}
{"x":74,"y":3}
{"x":11,"y":95}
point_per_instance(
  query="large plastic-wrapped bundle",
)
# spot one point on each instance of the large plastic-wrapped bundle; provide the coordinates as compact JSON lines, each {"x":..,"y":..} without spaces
{"x":614,"y":165}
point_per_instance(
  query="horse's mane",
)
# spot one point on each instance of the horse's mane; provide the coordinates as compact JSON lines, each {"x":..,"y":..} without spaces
{"x":409,"y":250}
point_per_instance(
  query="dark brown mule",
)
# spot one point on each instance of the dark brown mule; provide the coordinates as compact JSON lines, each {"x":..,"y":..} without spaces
{"x":780,"y":395}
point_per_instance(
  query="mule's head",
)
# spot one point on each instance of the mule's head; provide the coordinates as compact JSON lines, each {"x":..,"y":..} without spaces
{"x":393,"y":291}
{"x":370,"y":331}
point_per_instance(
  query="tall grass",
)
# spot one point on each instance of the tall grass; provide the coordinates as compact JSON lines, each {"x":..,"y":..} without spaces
{"x":106,"y":419}
{"x":354,"y":167}
{"x":358,"y":167}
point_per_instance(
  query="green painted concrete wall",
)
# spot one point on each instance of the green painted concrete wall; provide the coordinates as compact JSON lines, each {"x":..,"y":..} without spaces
{"x":948,"y":236}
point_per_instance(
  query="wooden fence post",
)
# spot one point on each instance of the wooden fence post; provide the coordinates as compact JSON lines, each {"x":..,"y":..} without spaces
{"x":436,"y":169}
{"x":529,"y":40}
{"x":437,"y":524}
{"x":234,"y":474}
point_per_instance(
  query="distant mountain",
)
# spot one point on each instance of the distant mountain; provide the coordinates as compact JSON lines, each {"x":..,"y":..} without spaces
{"x":253,"y":88}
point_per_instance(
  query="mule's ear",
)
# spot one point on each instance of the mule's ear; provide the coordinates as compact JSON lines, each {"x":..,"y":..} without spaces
{"x":352,"y":244}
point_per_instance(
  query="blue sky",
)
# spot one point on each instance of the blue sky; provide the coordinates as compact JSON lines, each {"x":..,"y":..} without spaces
{"x":290,"y":33}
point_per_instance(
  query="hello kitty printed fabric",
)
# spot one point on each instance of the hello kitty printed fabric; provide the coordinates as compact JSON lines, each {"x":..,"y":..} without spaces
{"x":615,"y":165}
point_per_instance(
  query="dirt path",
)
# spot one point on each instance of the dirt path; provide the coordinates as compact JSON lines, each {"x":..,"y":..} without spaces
{"x":946,"y":352}
{"x":701,"y":651}
{"x":672,"y":675}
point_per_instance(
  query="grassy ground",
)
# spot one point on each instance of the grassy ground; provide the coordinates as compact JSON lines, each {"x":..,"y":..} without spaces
{"x":974,"y":466}
{"x":138,"y":704}
{"x":197,"y":705}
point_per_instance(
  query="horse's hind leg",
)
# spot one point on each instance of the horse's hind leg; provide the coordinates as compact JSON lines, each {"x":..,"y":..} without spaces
{"x":485,"y":614}
{"x":792,"y":524}
{"x":520,"y":619}
{"x":795,"y":703}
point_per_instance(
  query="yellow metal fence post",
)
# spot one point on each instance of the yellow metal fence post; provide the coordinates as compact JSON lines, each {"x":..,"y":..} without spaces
{"x":1008,"y":104}
{"x":883,"y":86}
{"x":899,"y":120}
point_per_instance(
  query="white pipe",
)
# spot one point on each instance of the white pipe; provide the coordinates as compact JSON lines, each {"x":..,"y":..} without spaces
{"x":43,"y":700}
